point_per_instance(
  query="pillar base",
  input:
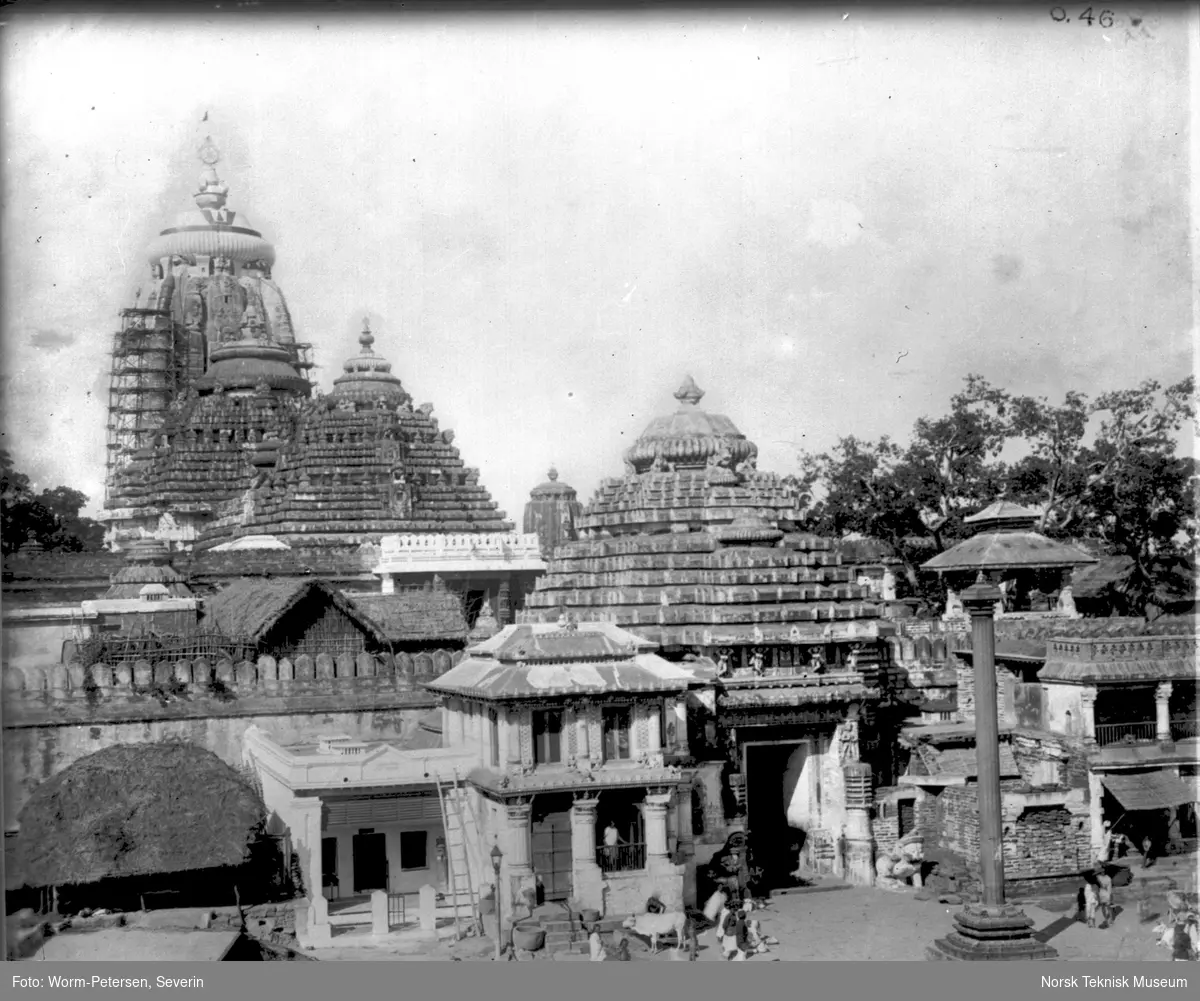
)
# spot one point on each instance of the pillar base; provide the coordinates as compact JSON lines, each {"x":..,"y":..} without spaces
{"x":989,"y":934}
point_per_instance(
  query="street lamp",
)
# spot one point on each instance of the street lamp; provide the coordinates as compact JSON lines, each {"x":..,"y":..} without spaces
{"x":497,"y":856}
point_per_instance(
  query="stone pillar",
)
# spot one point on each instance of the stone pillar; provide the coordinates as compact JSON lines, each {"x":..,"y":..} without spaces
{"x":586,"y":877}
{"x":525,"y":719}
{"x":583,"y":752}
{"x":306,"y":834}
{"x":389,"y":584}
{"x":504,"y":602}
{"x":518,"y":855}
{"x":979,"y":601}
{"x":655,"y":808}
{"x":654,"y":730}
{"x":681,"y":723}
{"x":1162,"y":712}
{"x":860,"y":854}
{"x":510,"y":734}
{"x":991,"y":930}
{"x":379,"y":914}
{"x":1096,"y":813}
{"x":1087,"y":706}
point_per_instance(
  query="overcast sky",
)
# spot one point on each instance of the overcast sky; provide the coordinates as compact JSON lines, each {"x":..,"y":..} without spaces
{"x":828,"y":218}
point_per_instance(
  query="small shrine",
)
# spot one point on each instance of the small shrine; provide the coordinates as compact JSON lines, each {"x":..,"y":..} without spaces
{"x":1032,"y":571}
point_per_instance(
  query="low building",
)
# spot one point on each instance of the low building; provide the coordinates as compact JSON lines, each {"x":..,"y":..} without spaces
{"x":578,"y":731}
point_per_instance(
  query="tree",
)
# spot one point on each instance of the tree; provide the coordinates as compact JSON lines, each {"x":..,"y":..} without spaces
{"x":51,"y":517}
{"x":1104,"y":471}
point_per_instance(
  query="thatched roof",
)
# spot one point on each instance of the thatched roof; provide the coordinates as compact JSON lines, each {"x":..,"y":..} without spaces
{"x":414,"y":614}
{"x":136,"y":809}
{"x":251,"y":607}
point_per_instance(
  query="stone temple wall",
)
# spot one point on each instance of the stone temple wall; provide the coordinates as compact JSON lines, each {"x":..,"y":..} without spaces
{"x":55,"y":717}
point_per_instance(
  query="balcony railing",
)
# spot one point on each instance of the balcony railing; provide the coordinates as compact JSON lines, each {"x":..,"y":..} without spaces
{"x":621,"y":858}
{"x":1183,"y":727}
{"x":1125,"y":733}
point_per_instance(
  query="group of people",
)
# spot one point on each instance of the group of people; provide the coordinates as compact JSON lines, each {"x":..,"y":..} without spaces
{"x":739,"y":935}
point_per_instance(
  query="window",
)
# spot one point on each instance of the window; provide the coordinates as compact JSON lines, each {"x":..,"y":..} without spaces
{"x":616,"y":733}
{"x":414,"y":848}
{"x":494,"y":733}
{"x":663,"y":719}
{"x":547,"y":737}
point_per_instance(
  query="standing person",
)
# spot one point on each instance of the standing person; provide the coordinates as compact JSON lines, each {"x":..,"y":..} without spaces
{"x":596,"y":946}
{"x":612,"y":839}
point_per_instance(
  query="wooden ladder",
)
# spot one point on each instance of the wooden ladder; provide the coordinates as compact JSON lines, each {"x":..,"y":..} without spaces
{"x":458,"y":865}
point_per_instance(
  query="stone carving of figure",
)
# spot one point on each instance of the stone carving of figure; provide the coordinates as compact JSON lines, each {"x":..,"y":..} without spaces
{"x":852,"y":658}
{"x":401,"y":494}
{"x":848,"y":741}
{"x":661,"y":465}
{"x":816,"y":660}
{"x":218,"y":389}
{"x":262,"y":387}
{"x":723,"y":659}
{"x":756,"y":662}
{"x":222,"y":266}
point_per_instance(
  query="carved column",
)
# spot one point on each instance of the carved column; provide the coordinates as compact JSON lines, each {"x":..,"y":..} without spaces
{"x":860,"y":855}
{"x":586,"y":877}
{"x":526,"y":730}
{"x":1162,"y":712}
{"x":583,"y":753}
{"x":504,"y":603}
{"x":654,"y":729}
{"x":1087,"y":707}
{"x":510,"y":738}
{"x":655,"y":808}
{"x":518,"y":856}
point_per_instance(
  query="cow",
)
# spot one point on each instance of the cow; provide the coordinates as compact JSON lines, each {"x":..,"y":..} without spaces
{"x":653,"y":926}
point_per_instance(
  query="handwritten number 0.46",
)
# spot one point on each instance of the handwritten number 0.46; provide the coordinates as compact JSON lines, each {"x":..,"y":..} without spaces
{"x":1105,"y":18}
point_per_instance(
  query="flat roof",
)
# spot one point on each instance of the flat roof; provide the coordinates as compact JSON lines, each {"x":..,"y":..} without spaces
{"x":137,"y":944}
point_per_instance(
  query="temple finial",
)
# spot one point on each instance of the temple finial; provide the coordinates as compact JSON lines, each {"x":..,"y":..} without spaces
{"x":209,"y":154}
{"x":366,"y":338}
{"x":689,"y":392}
{"x":553,"y":474}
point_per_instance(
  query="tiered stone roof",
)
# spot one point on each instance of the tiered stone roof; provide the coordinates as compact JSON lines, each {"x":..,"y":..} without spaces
{"x":696,"y":548}
{"x":355,"y":474}
{"x":215,"y":435}
{"x":689,"y":471}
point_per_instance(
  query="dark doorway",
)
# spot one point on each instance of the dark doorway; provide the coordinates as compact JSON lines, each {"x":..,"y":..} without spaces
{"x":551,"y":844}
{"x":473,"y":605}
{"x":370,"y":862}
{"x":774,"y":844}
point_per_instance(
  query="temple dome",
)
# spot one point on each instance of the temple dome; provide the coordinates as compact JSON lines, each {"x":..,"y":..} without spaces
{"x":209,"y":228}
{"x":689,"y":438}
{"x":368,"y":377}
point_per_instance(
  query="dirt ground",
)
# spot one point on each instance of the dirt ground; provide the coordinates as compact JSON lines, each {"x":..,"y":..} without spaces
{"x":869,"y":924}
{"x":846,"y":924}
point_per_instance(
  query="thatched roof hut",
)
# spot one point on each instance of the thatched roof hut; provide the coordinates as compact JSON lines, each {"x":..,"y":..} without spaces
{"x":282,"y":615}
{"x":415,"y":615}
{"x":135,"y":810}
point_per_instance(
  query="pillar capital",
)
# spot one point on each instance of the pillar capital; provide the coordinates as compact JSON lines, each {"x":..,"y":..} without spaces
{"x":1087,"y":695}
{"x":585,"y":806}
{"x":518,"y":813}
{"x":1162,"y":691}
